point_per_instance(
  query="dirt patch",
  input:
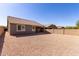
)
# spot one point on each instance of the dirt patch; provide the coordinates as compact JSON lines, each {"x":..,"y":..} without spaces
{"x":41,"y":45}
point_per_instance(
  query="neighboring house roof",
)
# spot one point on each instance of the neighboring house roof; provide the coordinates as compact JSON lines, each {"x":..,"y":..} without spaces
{"x":50,"y":26}
{"x":16,"y":20}
{"x":60,"y":27}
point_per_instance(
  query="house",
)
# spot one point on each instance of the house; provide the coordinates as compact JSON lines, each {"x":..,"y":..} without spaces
{"x":50,"y":26}
{"x":23,"y":26}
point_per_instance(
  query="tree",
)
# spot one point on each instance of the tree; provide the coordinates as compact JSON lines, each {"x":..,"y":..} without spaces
{"x":52,"y":26}
{"x":77,"y":24}
{"x":68,"y":27}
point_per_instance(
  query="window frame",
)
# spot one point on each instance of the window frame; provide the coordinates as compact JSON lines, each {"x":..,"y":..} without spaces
{"x":33,"y":28}
{"x":22,"y":29}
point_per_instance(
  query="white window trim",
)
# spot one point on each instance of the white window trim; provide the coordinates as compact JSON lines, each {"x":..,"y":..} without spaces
{"x":21,"y":28}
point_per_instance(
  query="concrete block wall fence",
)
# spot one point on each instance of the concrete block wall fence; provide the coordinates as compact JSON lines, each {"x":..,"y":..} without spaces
{"x":64,"y":31}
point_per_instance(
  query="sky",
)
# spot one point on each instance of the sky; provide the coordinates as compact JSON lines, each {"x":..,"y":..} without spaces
{"x":60,"y":14}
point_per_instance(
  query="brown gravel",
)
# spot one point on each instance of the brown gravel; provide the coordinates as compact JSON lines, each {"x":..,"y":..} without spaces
{"x":45,"y":45}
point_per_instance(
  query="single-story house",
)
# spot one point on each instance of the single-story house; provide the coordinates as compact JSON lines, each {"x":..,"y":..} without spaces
{"x":23,"y":26}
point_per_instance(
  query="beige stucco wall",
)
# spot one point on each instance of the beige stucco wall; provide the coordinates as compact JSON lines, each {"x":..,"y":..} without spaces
{"x":64,"y":31}
{"x":72,"y":31}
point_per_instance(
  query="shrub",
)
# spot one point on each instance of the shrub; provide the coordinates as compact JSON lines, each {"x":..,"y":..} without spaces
{"x":77,"y":24}
{"x":71,"y":27}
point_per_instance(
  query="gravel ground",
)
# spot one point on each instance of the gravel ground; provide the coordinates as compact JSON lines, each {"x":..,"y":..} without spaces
{"x":41,"y":45}
{"x":1,"y":42}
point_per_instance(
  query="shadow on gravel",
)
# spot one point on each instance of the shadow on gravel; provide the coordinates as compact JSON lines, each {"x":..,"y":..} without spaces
{"x":31,"y":34}
{"x":1,"y":42}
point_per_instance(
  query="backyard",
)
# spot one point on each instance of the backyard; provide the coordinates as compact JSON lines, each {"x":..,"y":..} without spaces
{"x":44,"y":44}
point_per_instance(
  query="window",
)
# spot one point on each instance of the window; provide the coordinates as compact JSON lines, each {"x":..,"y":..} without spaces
{"x":20,"y":27}
{"x":33,"y":28}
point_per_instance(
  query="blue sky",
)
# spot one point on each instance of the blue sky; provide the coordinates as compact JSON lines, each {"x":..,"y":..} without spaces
{"x":58,"y":14}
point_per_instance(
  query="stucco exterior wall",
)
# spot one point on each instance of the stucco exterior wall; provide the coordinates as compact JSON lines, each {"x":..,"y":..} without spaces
{"x":14,"y":31}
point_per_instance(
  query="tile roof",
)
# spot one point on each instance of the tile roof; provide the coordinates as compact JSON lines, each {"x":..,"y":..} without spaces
{"x":16,"y":20}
